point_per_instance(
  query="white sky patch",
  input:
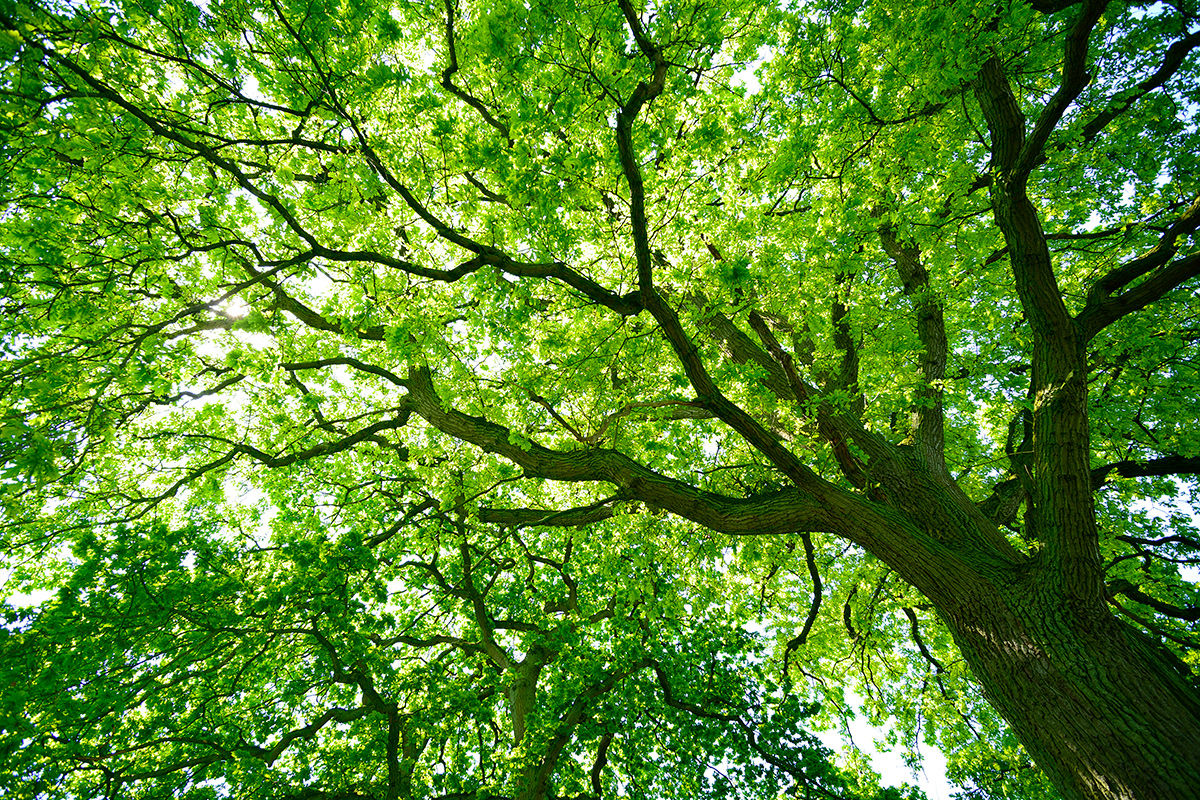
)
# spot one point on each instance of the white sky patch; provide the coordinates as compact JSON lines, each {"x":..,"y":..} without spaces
{"x":236,"y":307}
{"x":22,"y":599}
{"x":1163,"y":510}
{"x":746,"y":78}
{"x":250,"y":89}
{"x":889,"y":763}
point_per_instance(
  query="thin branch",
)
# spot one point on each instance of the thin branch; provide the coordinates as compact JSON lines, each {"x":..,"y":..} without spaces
{"x":567,"y":518}
{"x":675,"y":409}
{"x":813,"y":608}
{"x":448,"y":79}
{"x":1171,"y":63}
{"x":539,"y":776}
{"x":485,"y":254}
{"x":1150,"y":626}
{"x":1053,"y":6}
{"x":1121,"y":586}
{"x":347,"y":362}
{"x":668,"y":320}
{"x":323,"y":449}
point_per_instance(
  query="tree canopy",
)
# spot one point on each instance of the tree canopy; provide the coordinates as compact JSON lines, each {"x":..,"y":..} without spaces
{"x":551,"y":399}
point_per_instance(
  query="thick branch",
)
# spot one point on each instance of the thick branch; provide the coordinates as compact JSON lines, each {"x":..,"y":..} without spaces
{"x":483,"y":618}
{"x":916,"y":635}
{"x":1006,"y":495}
{"x":848,"y":463}
{"x":601,"y":762}
{"x":736,"y":345}
{"x":1163,"y":275}
{"x":1167,"y":465}
{"x":1061,"y":504}
{"x":1074,"y":79}
{"x":1015,"y":214}
{"x":1184,"y":225}
{"x":786,"y":511}
{"x":846,"y":378}
{"x":1134,"y":593}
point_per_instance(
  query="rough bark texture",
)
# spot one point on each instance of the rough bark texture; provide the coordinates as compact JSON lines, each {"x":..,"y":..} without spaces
{"x":1095,"y":704}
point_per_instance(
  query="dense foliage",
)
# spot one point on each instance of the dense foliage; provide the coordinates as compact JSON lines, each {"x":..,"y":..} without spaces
{"x":556,"y":399}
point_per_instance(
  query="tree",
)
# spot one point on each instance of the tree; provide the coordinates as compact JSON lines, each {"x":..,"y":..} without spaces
{"x":421,"y":399}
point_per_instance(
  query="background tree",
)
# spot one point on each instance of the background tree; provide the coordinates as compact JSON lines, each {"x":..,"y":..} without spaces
{"x":429,"y":312}
{"x":196,"y":665}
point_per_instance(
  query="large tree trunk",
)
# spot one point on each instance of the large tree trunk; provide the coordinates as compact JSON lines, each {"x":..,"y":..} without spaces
{"x":1097,"y":704}
{"x":1102,"y":708}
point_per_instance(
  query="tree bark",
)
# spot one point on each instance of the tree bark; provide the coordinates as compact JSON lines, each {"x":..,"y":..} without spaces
{"x":1098,"y":704}
{"x":1094,"y":701}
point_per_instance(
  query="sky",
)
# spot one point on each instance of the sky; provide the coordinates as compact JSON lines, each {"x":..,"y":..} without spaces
{"x":890,"y":765}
